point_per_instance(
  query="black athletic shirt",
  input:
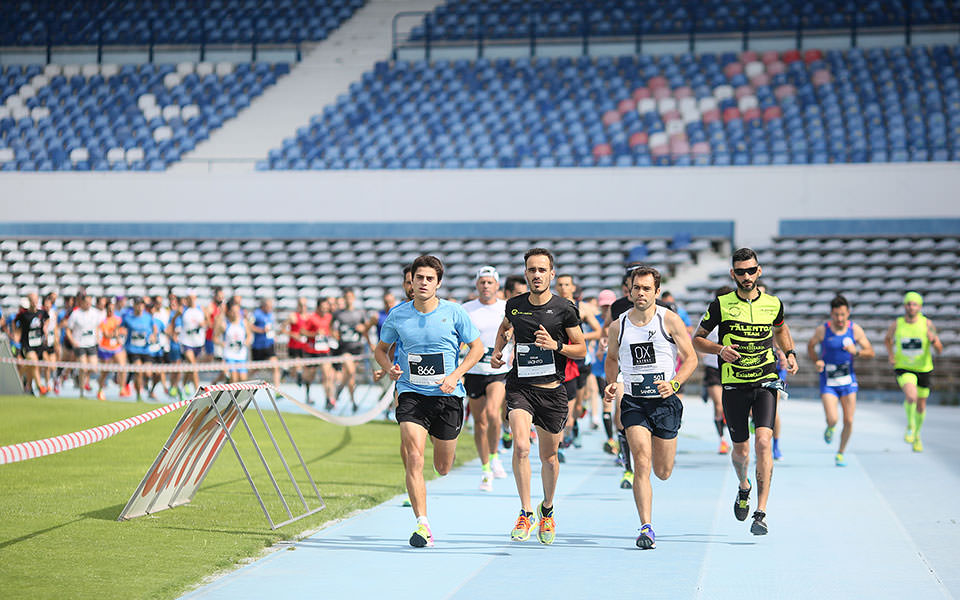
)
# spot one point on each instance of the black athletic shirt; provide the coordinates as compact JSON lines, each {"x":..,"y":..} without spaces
{"x":622,"y":305}
{"x":31,"y":325}
{"x":555,"y":316}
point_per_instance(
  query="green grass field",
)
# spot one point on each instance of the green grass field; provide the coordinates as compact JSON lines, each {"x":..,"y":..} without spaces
{"x":59,"y":536}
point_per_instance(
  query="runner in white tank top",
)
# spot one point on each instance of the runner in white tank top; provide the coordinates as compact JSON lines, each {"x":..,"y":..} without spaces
{"x":235,"y":332}
{"x":643,"y":345}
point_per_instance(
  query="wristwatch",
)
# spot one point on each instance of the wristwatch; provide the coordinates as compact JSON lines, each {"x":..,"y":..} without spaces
{"x":675,"y":385}
{"x":559,"y":345}
{"x":789,"y":352}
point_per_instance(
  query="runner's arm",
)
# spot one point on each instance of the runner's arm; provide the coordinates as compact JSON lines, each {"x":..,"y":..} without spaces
{"x":933,"y":337}
{"x":597,"y":329}
{"x":576,"y":347}
{"x":611,"y":366}
{"x":784,"y":340}
{"x":817,"y":337}
{"x":501,"y":340}
{"x":888,"y":341}
{"x":866,"y":348}
{"x":681,"y":336}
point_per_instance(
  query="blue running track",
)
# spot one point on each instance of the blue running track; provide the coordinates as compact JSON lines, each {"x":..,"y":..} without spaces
{"x":886,"y":526}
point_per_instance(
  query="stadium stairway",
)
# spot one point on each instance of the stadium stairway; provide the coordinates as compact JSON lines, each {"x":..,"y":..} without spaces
{"x":327,"y":69}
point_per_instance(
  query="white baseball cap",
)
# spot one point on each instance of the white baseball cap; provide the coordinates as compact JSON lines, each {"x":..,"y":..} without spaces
{"x":488,"y":271}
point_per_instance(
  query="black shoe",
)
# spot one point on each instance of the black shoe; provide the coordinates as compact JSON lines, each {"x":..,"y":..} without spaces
{"x":759,"y":526}
{"x":560,"y":457}
{"x":741,"y":506}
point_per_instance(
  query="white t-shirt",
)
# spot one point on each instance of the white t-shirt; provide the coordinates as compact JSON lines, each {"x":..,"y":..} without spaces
{"x":83,"y":326}
{"x":712,"y":360}
{"x":193,"y":328}
{"x":487,"y":318}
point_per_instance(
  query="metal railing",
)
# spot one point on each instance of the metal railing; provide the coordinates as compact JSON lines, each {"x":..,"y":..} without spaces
{"x":587,"y":37}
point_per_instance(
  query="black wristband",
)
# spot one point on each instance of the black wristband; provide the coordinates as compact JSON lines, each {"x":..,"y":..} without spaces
{"x":789,"y":352}
{"x":559,"y":345}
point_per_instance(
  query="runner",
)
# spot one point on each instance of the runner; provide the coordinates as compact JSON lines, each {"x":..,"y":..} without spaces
{"x":320,"y":342}
{"x":577,"y":377}
{"x":428,"y":333}
{"x":546,"y":330}
{"x":297,"y":340}
{"x":604,"y":300}
{"x":514,"y":285}
{"x":263,"y":347}
{"x":748,"y":321}
{"x":66,"y":352}
{"x":29,"y":328}
{"x":212,"y":348}
{"x":191,"y":342}
{"x":233,"y":332}
{"x":484,"y":384}
{"x":161,"y":346}
{"x":142,"y":332}
{"x":110,"y":348}
{"x":840,"y":341}
{"x":712,"y":389}
{"x":51,"y":342}
{"x":350,"y":326}
{"x":644,"y":344}
{"x":174,"y":331}
{"x":781,"y":394}
{"x":81,"y":332}
{"x":908,"y":341}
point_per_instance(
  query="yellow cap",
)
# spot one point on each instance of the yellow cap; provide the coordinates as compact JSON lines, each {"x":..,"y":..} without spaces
{"x":913,"y":297}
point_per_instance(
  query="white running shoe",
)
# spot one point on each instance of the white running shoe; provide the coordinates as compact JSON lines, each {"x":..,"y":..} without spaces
{"x":486,"y":482}
{"x":497,"y":467}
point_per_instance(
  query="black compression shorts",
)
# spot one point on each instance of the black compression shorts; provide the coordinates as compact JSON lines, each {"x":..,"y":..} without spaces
{"x":711,"y":376}
{"x":262,"y":353}
{"x":738,"y":401}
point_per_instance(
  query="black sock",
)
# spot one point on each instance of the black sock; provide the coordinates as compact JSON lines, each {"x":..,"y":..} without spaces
{"x":625,"y":450}
{"x":608,"y":424}
{"x":576,"y":428}
{"x":718,"y":423}
{"x":546,"y":512}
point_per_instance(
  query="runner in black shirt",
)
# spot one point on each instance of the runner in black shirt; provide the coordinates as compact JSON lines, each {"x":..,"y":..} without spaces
{"x":29,"y":328}
{"x":546,"y":329}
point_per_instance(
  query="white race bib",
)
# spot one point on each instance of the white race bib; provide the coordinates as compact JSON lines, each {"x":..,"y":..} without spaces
{"x":911,"y":347}
{"x":838,"y":375}
{"x":138,"y":338}
{"x":534,"y":362}
{"x":426,"y":369}
{"x":644,"y":385}
{"x":87,"y":338}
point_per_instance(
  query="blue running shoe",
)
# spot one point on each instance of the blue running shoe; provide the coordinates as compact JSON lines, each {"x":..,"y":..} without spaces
{"x":647,"y":540}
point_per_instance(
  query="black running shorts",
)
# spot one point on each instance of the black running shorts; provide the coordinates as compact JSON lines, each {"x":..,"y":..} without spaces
{"x":441,"y":416}
{"x":262,"y":353}
{"x":711,"y":376}
{"x":660,"y":415}
{"x":294,"y":352}
{"x":548,"y":406}
{"x":739,"y":400}
{"x":476,"y":385}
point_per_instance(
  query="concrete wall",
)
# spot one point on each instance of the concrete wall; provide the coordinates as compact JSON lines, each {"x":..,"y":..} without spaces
{"x":754,"y":198}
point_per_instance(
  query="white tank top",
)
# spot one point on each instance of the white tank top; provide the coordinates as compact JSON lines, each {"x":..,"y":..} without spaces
{"x":234,"y":341}
{"x":711,"y":360}
{"x":193,"y":330}
{"x":487,"y":318}
{"x":647,"y":355}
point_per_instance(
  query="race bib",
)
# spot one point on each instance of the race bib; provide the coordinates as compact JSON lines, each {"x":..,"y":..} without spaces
{"x":35,"y":337}
{"x":426,"y":369}
{"x":138,"y":338}
{"x":534,"y":362}
{"x":838,"y":375}
{"x":154,"y":348}
{"x":87,"y":338}
{"x":236,"y":346}
{"x":646,"y":387}
{"x":911,"y":347}
{"x":321,"y":344}
{"x":487,"y":355}
{"x":349,"y":335}
{"x":268,"y":331}
{"x":643,"y":354}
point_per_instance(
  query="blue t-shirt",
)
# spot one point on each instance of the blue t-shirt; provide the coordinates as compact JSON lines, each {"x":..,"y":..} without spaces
{"x":155,"y":348}
{"x":839,"y":363}
{"x":139,"y":330}
{"x":261,"y":319}
{"x":428,"y":345}
{"x":178,"y":328}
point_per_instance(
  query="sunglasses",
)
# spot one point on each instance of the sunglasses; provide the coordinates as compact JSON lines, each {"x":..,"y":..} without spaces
{"x":747,"y":271}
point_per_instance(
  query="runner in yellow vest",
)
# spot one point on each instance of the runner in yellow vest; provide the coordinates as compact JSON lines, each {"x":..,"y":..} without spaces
{"x":909,"y":340}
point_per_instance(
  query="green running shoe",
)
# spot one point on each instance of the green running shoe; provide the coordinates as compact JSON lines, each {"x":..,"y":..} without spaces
{"x":523,"y":527}
{"x":839,"y":460}
{"x":547,"y":530}
{"x":828,"y":434}
{"x":626,"y":483}
{"x":741,"y":506}
{"x":422,"y":538}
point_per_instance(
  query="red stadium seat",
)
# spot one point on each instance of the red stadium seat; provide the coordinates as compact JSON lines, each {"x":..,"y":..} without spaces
{"x":729,"y":114}
{"x":625,"y":106}
{"x":810,"y":56}
{"x":769,"y":57}
{"x":610,"y":117}
{"x":791,"y":56}
{"x":638,"y":139}
{"x":602,"y":150}
{"x":640,"y":93}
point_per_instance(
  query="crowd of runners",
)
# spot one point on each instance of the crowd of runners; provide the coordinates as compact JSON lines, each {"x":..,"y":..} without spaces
{"x":527,"y":357}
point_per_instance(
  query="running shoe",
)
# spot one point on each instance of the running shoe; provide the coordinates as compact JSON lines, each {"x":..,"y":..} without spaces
{"x":828,"y":434}
{"x":497,"y":467}
{"x":506,"y":439}
{"x":611,"y":446}
{"x":577,"y":442}
{"x":917,"y":444}
{"x":839,"y":460}
{"x":101,"y":396}
{"x":486,"y":482}
{"x":759,"y":526}
{"x":406,"y":502}
{"x":43,"y":390}
{"x":647,"y":540}
{"x":741,"y":506}
{"x":547,"y":530}
{"x":125,"y":391}
{"x":56,"y":386}
{"x":560,"y":457}
{"x":619,"y":461}
{"x":724,"y":447}
{"x":909,"y":436}
{"x":777,"y":455}
{"x":753,"y":427}
{"x":422,"y":538}
{"x":626,"y":482}
{"x":87,"y":387}
{"x":523,"y":527}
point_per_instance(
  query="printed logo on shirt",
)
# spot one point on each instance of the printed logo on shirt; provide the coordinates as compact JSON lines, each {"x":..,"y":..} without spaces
{"x":643,"y":353}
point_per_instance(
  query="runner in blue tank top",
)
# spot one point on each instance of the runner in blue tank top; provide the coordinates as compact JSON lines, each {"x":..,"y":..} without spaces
{"x":427,"y":373}
{"x":840,"y":341}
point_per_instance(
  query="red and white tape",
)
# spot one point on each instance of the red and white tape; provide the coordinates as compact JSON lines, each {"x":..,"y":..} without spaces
{"x":27,"y":450}
{"x":185,"y":367}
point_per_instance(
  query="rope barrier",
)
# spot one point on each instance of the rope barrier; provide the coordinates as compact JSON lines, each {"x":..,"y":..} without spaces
{"x":185,"y":367}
